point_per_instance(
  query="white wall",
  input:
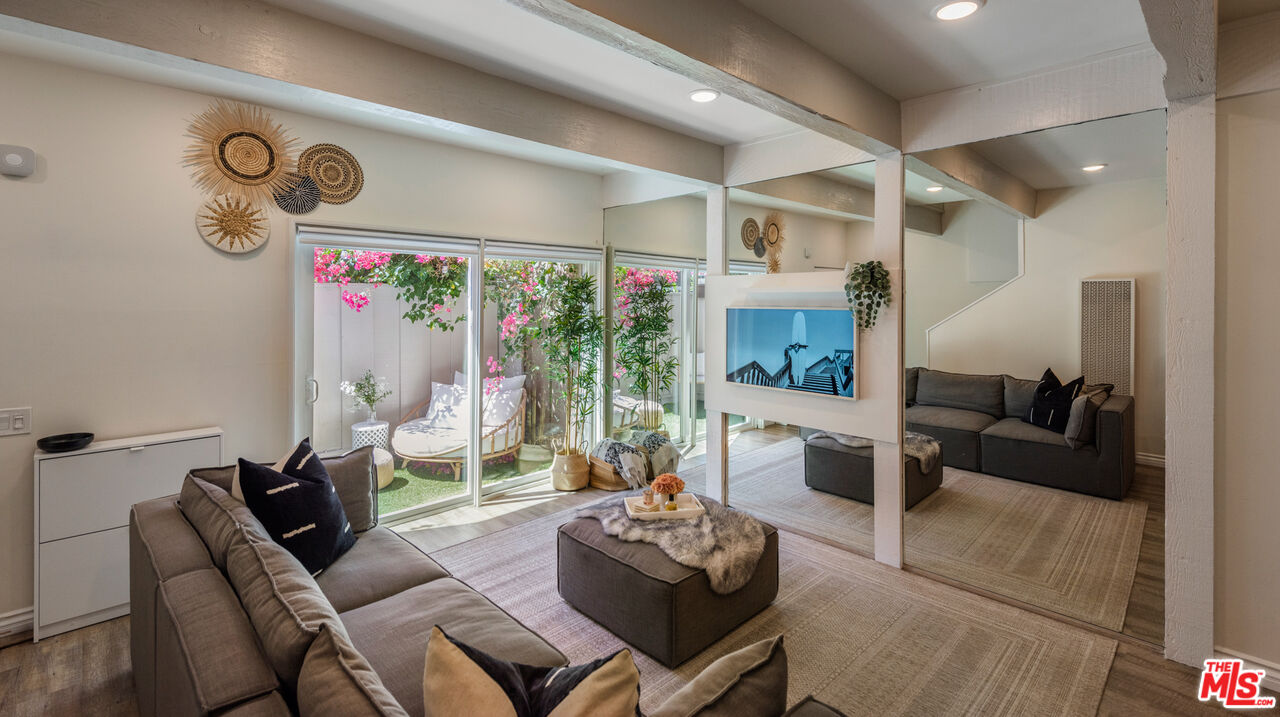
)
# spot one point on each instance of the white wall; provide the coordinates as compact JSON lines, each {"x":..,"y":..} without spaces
{"x":122,"y":321}
{"x":1103,"y":231}
{"x":1247,"y":491}
{"x":980,"y":238}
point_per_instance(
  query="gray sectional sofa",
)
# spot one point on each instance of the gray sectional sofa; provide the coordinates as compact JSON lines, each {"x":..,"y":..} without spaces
{"x":226,"y":622}
{"x":978,"y":419}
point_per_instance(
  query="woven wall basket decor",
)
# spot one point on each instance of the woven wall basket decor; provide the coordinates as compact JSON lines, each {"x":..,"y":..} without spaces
{"x":750,"y":232}
{"x":233,"y":224}
{"x":335,"y":171}
{"x":239,"y":150}
{"x":301,"y":198}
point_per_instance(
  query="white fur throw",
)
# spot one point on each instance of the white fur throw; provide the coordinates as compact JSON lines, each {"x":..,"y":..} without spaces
{"x":923,"y":448}
{"x":724,"y":542}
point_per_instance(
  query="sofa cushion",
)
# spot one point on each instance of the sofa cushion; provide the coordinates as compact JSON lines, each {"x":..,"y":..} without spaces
{"x":957,"y":419}
{"x":1082,"y":423}
{"x":752,"y":680}
{"x":1015,"y":429}
{"x":221,"y":521}
{"x":209,"y":655}
{"x":459,"y":679}
{"x":1018,"y":395}
{"x":984,"y":394}
{"x":910,"y":382}
{"x":337,"y":680}
{"x":299,"y":506}
{"x":283,"y":601}
{"x":353,"y":475}
{"x":380,"y":565}
{"x":392,"y":634}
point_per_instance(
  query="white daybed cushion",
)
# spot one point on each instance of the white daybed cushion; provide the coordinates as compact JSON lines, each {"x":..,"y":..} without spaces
{"x":501,"y":406}
{"x":448,"y":405}
{"x":420,"y":438}
{"x":460,"y":379}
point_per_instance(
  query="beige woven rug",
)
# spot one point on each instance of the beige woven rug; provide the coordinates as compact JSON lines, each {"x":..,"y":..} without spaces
{"x":1071,"y":553}
{"x":861,"y":636}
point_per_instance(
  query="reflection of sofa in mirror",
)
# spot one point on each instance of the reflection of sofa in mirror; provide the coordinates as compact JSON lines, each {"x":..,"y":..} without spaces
{"x":979,"y":421}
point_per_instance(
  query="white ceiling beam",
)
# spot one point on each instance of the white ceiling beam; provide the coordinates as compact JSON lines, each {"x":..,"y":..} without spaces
{"x":1110,"y":85}
{"x":966,"y":171}
{"x":730,"y":48}
{"x":847,"y":200}
{"x":1185,"y":32}
{"x":1249,"y":56}
{"x":795,"y":153}
{"x":622,"y":188}
{"x":259,"y":39}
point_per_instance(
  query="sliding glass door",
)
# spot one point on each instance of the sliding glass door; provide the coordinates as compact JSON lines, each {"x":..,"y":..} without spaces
{"x":396,"y":333}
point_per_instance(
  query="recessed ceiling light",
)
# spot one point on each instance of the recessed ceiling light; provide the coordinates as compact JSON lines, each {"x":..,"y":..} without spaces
{"x":1093,"y":167}
{"x":934,"y":188}
{"x":703,"y":95}
{"x":958,"y":9}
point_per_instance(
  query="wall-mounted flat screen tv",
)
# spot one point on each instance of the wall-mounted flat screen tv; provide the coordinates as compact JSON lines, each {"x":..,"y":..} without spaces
{"x":807,"y":350}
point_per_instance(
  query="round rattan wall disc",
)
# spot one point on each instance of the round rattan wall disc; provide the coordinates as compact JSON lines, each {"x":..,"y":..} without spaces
{"x":233,"y":224}
{"x":238,"y":149}
{"x":334,"y":170}
{"x":302,"y":197}
{"x":771,"y":233}
{"x":758,"y":249}
{"x":750,"y":232}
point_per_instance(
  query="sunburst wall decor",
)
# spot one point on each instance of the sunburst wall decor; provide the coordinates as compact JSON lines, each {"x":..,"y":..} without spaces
{"x":233,"y":224}
{"x":240,"y":150}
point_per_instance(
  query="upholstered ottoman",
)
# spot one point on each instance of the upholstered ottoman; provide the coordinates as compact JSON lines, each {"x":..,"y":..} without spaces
{"x":832,"y":467}
{"x":658,"y":606}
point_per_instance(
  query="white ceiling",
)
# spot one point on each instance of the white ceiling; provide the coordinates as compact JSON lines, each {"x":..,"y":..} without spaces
{"x":501,"y":39}
{"x":1231,"y":10}
{"x":1132,"y":147}
{"x":863,"y":175}
{"x":898,"y":46}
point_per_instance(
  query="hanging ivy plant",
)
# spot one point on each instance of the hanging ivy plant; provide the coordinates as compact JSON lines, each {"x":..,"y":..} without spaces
{"x":867,"y":288}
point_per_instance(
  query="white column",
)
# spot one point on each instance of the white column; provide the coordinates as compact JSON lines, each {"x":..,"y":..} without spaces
{"x":1189,"y":382}
{"x":880,"y":357}
{"x":475,"y":337}
{"x":717,"y":422}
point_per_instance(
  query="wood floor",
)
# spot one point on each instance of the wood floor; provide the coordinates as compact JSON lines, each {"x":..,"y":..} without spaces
{"x":87,"y":671}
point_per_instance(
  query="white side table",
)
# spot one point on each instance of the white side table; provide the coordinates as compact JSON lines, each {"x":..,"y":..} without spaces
{"x":370,"y":433}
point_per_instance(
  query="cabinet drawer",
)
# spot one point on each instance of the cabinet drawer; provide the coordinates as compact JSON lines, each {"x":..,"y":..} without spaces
{"x":84,"y":574}
{"x":91,"y":492}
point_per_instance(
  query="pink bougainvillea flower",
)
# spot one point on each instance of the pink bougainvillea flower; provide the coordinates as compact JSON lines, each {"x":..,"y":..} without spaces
{"x":354,"y":300}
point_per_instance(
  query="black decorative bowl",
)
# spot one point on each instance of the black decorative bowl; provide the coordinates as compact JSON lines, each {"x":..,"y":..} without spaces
{"x":64,"y":442}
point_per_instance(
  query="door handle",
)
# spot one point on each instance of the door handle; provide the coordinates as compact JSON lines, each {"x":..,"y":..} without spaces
{"x":314,"y":393}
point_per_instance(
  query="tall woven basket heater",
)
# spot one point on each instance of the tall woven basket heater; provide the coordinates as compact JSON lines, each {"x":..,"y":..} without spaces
{"x":1107,"y":329}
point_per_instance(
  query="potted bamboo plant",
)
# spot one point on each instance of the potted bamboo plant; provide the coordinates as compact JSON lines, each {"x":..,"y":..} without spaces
{"x":572,"y":339}
{"x":645,"y":348}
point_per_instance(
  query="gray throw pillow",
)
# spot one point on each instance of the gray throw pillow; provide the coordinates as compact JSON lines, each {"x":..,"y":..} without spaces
{"x":1018,"y":395}
{"x":1082,"y":424}
{"x":752,"y":681}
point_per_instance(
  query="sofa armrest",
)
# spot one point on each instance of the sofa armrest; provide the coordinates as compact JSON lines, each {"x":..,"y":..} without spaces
{"x":1116,"y":442}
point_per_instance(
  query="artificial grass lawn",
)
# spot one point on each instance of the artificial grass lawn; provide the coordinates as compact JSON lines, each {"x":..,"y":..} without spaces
{"x":416,"y":484}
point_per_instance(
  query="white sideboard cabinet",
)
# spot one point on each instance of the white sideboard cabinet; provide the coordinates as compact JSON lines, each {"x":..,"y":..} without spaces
{"x":82,"y":501}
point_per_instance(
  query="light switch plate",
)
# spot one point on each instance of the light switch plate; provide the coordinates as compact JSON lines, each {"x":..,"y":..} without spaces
{"x":15,"y":421}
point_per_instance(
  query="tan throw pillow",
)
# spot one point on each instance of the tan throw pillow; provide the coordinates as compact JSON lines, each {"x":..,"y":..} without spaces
{"x":337,"y":680}
{"x":221,"y":521}
{"x":752,"y":680}
{"x":459,"y":679}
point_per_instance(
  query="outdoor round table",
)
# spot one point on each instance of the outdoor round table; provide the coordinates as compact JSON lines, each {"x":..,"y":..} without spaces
{"x":370,"y":433}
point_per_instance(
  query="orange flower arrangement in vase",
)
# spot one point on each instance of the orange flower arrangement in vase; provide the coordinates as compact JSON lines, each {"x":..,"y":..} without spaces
{"x":668,"y":484}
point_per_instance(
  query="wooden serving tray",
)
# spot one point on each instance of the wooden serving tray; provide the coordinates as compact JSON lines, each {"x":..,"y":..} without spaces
{"x":689,"y":507}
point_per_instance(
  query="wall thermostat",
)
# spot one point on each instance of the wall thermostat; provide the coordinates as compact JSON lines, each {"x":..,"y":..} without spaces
{"x":16,"y":161}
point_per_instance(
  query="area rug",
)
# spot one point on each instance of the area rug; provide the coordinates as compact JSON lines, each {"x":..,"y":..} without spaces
{"x":1070,"y":553}
{"x":861,"y":636}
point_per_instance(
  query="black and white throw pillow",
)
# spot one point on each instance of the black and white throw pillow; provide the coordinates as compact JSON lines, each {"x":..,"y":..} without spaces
{"x":298,"y":506}
{"x":1051,"y":406}
{"x":459,"y":679}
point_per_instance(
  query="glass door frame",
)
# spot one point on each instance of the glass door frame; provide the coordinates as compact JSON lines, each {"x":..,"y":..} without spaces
{"x":687,"y":341}
{"x":308,"y":237}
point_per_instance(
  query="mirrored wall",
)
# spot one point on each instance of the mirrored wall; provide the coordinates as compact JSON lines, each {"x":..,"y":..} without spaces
{"x":1034,"y":344}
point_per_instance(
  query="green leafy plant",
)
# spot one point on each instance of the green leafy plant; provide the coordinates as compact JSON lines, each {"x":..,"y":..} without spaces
{"x":572,"y":338}
{"x":644,"y":347}
{"x":867,"y":289}
{"x":368,"y":391}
